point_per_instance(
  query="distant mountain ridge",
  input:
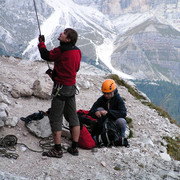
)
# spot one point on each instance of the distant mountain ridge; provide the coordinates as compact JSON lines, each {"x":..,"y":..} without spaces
{"x":149,"y":51}
{"x":168,"y":9}
{"x":129,"y":38}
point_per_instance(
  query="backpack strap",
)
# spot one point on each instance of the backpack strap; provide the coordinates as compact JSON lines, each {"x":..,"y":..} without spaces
{"x":100,"y":141}
{"x":108,"y":141}
{"x":106,"y":132}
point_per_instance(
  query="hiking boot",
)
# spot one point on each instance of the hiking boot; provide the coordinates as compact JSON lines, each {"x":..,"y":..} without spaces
{"x":53,"y":153}
{"x":72,"y":151}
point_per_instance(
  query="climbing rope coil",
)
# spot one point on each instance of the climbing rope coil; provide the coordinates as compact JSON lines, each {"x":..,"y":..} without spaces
{"x":8,"y":146}
{"x":8,"y":143}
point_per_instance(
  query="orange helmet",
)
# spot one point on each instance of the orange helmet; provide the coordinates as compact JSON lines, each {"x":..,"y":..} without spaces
{"x":108,"y":86}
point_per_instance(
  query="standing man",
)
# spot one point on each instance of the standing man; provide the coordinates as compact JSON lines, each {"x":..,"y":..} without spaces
{"x":109,"y":105}
{"x":66,"y":60}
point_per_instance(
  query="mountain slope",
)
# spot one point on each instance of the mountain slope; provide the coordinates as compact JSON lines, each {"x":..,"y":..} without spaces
{"x":149,"y":51}
{"x":18,"y":24}
{"x":146,"y":158}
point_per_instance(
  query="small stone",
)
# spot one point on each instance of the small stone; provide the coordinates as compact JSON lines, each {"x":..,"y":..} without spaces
{"x":25,"y":133}
{"x":44,"y":157}
{"x":94,"y":150}
{"x":165,"y":156}
{"x":103,"y":164}
{"x":117,"y":168}
{"x":23,"y":149}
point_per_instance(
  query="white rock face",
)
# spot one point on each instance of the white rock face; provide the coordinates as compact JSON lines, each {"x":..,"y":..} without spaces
{"x":42,"y":88}
{"x":3,"y":115}
{"x":11,"y":121}
{"x":40,"y":128}
{"x":165,"y":156}
{"x":21,"y":90}
{"x":4,"y":98}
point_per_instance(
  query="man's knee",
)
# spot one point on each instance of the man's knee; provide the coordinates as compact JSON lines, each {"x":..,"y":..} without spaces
{"x":121,"y":122}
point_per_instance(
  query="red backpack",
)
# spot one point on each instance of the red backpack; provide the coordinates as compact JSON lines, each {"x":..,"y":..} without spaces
{"x":85,"y":139}
{"x":85,"y":118}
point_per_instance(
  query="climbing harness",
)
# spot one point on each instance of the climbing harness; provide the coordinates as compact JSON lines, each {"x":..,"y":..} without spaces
{"x":77,"y":90}
{"x":56,"y":90}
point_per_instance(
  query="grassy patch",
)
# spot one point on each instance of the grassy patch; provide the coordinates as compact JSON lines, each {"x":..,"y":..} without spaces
{"x":141,"y":165}
{"x":161,"y":112}
{"x":129,"y":122}
{"x":173,"y":147}
{"x":131,"y":90}
{"x":130,"y":134}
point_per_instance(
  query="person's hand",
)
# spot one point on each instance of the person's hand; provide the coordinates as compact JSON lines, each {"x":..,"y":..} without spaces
{"x":41,"y":38}
{"x":49,"y":72}
{"x":104,"y":112}
{"x":98,"y":114}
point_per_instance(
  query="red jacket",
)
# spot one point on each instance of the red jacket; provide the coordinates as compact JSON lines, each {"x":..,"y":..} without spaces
{"x":66,"y":60}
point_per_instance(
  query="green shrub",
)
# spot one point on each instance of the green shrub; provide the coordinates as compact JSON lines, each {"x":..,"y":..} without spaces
{"x":161,"y":112}
{"x":130,"y":134}
{"x":129,"y":122}
{"x":173,"y":147}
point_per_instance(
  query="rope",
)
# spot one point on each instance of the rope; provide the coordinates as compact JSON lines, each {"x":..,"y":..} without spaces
{"x":9,"y":142}
{"x":46,"y":143}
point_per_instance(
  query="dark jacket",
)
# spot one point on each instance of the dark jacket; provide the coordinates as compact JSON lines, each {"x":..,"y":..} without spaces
{"x":66,"y":60}
{"x":116,"y":109}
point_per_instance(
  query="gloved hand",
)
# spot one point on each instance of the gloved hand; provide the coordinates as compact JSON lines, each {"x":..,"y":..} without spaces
{"x":41,"y":38}
{"x":49,"y":71}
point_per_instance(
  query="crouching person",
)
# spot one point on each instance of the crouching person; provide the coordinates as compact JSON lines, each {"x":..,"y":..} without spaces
{"x":109,"y":105}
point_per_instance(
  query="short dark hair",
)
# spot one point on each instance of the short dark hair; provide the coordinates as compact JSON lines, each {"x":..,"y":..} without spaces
{"x":72,"y":35}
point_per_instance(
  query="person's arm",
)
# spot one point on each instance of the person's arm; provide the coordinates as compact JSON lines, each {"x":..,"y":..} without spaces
{"x":52,"y":55}
{"x":119,"y":111}
{"x":43,"y":51}
{"x":94,"y":107}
